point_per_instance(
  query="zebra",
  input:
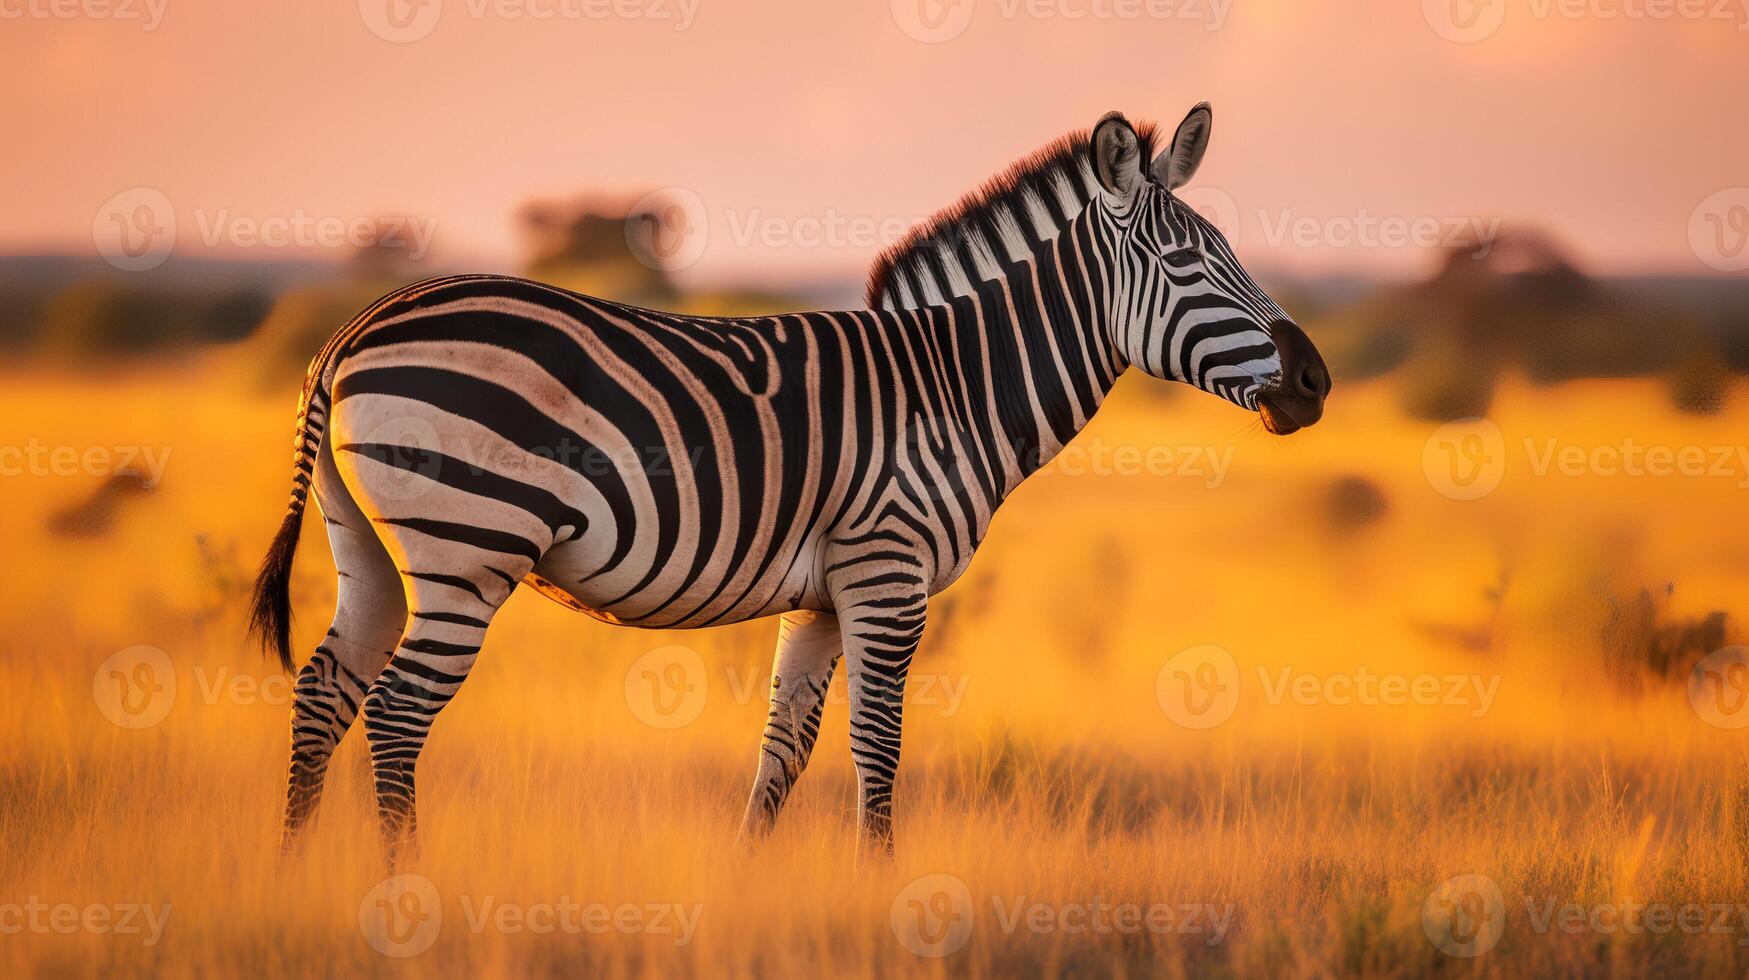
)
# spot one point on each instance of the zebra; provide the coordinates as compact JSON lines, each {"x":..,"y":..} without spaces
{"x":467,"y":434}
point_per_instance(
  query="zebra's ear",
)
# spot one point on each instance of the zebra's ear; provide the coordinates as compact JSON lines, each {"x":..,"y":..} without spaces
{"x":1117,"y":159}
{"x":1174,"y":168}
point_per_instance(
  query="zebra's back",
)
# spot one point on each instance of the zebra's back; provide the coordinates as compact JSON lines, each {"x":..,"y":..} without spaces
{"x":660,"y":470}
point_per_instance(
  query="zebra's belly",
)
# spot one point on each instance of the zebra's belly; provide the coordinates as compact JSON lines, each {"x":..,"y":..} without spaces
{"x":714,"y":597}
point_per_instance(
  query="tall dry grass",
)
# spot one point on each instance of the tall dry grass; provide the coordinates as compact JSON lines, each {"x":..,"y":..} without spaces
{"x":1041,"y":770}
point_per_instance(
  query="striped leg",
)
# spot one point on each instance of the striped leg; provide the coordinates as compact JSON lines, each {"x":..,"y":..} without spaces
{"x":882,"y":607}
{"x":444,"y":632}
{"x":369,"y":616}
{"x":324,"y":703}
{"x":808,"y":648}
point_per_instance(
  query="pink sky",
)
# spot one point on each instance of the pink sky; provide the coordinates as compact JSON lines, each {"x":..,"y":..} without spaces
{"x":795,"y":118}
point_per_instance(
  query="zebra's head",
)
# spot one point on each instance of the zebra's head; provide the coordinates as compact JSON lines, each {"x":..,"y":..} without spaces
{"x":1182,"y":307}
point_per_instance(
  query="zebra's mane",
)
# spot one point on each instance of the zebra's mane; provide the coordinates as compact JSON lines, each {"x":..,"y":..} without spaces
{"x":1000,"y":223}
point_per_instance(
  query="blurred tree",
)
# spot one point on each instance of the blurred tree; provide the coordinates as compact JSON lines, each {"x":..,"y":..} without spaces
{"x":1521,"y":304}
{"x":113,"y":318}
{"x":582,"y":244}
{"x":1700,"y":383}
{"x":303,"y":318}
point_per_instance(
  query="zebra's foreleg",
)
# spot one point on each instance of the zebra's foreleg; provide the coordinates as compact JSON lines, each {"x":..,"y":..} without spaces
{"x":882,"y":618}
{"x":808,"y":648}
{"x":444,"y":632}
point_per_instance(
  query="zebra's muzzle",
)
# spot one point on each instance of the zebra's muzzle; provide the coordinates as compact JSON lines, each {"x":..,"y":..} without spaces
{"x":1297,"y":400}
{"x":1279,"y":421}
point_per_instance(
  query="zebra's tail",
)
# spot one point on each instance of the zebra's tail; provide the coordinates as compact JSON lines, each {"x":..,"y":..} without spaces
{"x":270,"y":608}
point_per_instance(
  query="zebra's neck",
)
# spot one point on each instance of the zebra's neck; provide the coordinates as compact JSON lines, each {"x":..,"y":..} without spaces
{"x":1037,"y":335}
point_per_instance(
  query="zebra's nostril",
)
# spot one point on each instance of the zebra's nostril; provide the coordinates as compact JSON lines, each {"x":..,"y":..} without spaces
{"x":1313,"y":381}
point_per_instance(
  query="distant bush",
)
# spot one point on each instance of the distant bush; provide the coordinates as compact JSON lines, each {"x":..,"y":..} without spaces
{"x":1734,"y":344}
{"x":21,"y":313}
{"x":1378,"y":352}
{"x":1700,"y":384}
{"x":1353,"y":502}
{"x":1639,"y":640}
{"x":115,"y":318}
{"x":302,"y":320}
{"x":1444,"y":381}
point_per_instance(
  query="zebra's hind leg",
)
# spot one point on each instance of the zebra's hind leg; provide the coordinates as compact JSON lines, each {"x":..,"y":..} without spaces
{"x":450,"y":612}
{"x":369,"y":616}
{"x":808,"y":648}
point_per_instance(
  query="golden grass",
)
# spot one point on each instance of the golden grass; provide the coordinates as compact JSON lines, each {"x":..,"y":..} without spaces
{"x":1040,"y":767}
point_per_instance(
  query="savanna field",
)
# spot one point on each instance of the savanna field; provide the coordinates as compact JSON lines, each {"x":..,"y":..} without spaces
{"x":1407,"y":688}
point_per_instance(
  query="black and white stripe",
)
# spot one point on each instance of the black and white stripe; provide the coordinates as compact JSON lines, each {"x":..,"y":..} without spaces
{"x":468,"y":434}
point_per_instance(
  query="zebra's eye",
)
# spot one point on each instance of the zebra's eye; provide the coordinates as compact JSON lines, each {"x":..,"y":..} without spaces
{"x":1184,"y":256}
